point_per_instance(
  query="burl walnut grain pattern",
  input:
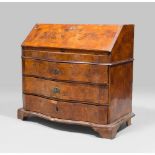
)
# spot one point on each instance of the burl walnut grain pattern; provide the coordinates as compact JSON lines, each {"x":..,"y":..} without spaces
{"x":66,"y":71}
{"x":66,"y":91}
{"x":120,"y":91}
{"x":73,"y":36}
{"x":58,"y":55}
{"x":79,"y":74}
{"x":66,"y":110}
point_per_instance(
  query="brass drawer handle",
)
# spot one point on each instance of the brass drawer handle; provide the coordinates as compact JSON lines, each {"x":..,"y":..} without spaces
{"x":56,"y":71}
{"x":56,"y":90}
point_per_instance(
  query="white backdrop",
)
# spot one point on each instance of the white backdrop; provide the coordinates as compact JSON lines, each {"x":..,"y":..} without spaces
{"x":17,"y":19}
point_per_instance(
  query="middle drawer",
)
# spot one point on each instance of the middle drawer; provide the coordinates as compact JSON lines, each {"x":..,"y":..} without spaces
{"x":86,"y":93}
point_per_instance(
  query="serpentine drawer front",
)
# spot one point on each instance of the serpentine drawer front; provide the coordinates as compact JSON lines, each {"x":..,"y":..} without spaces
{"x":66,"y":91}
{"x":66,"y":110}
{"x":66,"y":71}
{"x":79,"y":74}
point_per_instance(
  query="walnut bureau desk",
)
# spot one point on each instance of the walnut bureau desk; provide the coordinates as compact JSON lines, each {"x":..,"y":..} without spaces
{"x":79,"y":74}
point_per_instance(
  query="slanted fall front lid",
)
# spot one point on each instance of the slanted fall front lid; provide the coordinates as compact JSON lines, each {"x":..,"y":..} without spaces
{"x":73,"y":36}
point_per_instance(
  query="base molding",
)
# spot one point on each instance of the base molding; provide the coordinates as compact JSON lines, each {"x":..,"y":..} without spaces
{"x":108,"y":131}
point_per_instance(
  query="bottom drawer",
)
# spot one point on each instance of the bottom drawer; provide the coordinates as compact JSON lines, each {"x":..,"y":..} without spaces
{"x":66,"y":110}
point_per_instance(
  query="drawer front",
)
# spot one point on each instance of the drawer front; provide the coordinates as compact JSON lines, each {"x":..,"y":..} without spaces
{"x":66,"y":71}
{"x":66,"y":91}
{"x":66,"y":110}
{"x":67,"y":55}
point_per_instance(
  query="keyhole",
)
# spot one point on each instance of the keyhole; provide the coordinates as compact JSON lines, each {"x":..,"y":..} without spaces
{"x":57,"y":109}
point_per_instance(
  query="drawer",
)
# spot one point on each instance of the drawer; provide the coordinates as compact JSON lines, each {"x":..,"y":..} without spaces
{"x":67,"y":55}
{"x":66,"y":71}
{"x":66,"y":110}
{"x":66,"y":91}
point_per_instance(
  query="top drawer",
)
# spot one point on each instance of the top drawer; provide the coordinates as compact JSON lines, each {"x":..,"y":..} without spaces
{"x":80,"y":72}
{"x":68,"y":55}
